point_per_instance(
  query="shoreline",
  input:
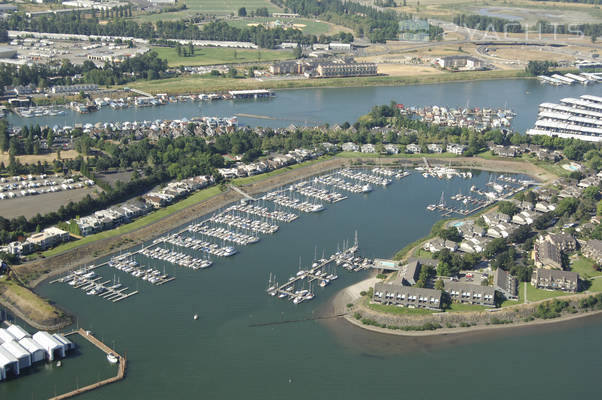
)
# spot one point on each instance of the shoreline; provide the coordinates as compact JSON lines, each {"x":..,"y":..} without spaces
{"x":343,"y":297}
{"x":325,"y":83}
{"x":88,"y":252}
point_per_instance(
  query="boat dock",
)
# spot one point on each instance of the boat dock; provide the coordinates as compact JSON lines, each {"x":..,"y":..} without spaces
{"x":107,"y":350}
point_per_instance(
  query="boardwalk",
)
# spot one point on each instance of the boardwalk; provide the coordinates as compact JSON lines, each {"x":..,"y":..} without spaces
{"x":106,"y":349}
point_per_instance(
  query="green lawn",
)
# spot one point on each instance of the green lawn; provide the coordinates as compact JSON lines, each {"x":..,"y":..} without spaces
{"x":396,"y":310}
{"x":217,"y":55}
{"x":139,"y":223}
{"x":307,"y":26}
{"x":534,"y":294}
{"x":583,"y":266}
{"x":596,"y":285}
{"x":458,"y":307}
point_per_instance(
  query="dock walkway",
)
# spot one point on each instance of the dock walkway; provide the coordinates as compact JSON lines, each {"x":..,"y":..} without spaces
{"x":107,"y":350}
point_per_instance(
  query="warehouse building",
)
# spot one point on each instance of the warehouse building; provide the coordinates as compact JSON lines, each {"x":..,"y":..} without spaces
{"x":34,"y":348}
{"x":52,"y":347}
{"x":8,"y":364}
{"x":67,"y":344}
{"x":6,"y":336}
{"x":19,"y":352}
{"x":18,"y":332}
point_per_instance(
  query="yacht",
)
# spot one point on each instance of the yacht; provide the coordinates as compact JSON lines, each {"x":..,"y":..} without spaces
{"x":112,"y":358}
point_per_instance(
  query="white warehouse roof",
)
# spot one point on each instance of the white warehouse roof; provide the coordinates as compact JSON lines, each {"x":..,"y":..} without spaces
{"x":32,"y":347}
{"x":18,"y":351}
{"x":18,"y":332}
{"x":5,"y":336}
{"x":49,"y":344}
{"x":6,"y":358}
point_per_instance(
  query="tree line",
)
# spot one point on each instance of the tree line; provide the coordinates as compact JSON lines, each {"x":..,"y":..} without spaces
{"x":376,"y":25}
{"x":142,"y":66}
{"x":78,"y":23}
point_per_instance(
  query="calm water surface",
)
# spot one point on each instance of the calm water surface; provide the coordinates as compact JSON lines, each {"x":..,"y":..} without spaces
{"x":317,"y":106}
{"x":221,"y":357}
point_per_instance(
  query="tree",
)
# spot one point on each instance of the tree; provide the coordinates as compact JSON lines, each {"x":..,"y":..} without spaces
{"x":242,"y":12}
{"x":298,"y":51}
{"x":507,"y":208}
{"x":439,"y":285}
{"x":450,"y":233}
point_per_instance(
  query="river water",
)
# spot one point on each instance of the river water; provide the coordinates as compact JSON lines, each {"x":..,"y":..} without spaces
{"x":220,"y":356}
{"x":313,"y":107}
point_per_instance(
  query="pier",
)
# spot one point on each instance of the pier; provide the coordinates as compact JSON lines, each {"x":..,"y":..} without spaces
{"x":346,"y":257}
{"x":107,"y":350}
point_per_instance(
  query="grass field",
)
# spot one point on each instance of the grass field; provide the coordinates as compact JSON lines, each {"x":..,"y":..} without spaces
{"x":215,"y":55}
{"x":216,"y":7}
{"x":583,"y":266}
{"x":457,"y":307}
{"x":395,"y":310}
{"x":534,"y":294}
{"x":194,"y":83}
{"x":35,"y":307}
{"x":596,"y":285}
{"x":139,"y":223}
{"x":307,"y":26}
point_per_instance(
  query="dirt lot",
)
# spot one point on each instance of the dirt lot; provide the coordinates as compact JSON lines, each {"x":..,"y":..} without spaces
{"x":405,"y":70}
{"x":43,"y":203}
{"x":30,"y":159}
{"x":112,"y":178}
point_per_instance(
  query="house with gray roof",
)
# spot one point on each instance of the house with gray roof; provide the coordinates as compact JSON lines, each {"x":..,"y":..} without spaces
{"x":469,"y":293}
{"x":406,"y":296}
{"x":593,"y":250}
{"x":505,"y":283}
{"x":567,"y":281}
{"x":546,"y":255}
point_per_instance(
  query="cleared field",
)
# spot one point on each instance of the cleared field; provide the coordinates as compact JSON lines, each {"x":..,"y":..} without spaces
{"x":31,"y":159}
{"x":528,"y":10}
{"x":212,"y":56}
{"x":29,"y":206}
{"x":215,"y":7}
{"x":194,"y":84}
{"x":33,"y":307}
{"x":405,"y":70}
{"x":307,"y":26}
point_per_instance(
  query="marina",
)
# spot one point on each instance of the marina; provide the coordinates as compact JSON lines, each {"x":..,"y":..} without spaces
{"x":392,"y":218}
{"x":469,"y":204}
{"x":91,"y":284}
{"x":316,"y":274}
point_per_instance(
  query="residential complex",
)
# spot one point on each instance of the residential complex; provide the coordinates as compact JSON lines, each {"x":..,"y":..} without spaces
{"x":555,"y":280}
